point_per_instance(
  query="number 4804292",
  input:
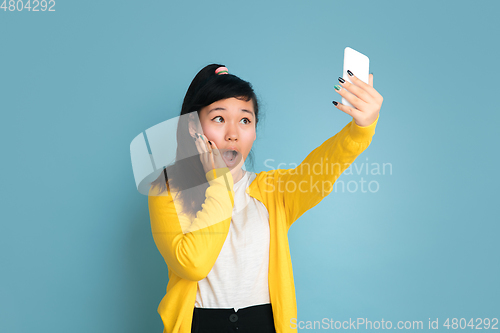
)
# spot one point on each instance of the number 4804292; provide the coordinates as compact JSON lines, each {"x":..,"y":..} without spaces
{"x":35,"y":6}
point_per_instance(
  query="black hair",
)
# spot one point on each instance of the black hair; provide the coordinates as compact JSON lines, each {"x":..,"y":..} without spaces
{"x":205,"y":89}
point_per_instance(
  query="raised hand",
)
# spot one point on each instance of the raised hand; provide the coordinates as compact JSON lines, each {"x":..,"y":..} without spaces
{"x":210,"y":155}
{"x":366,"y":100}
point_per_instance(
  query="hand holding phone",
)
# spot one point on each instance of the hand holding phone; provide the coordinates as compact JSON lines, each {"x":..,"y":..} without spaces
{"x":356,"y":85}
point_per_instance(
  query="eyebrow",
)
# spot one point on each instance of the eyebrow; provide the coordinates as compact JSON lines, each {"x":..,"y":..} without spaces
{"x":223,"y":109}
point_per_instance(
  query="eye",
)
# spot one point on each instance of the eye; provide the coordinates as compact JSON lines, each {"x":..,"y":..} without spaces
{"x":248,"y":120}
{"x":216,"y":118}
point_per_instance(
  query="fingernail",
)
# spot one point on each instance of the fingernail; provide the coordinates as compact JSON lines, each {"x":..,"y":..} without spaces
{"x":349,"y":72}
{"x":337,"y":87}
{"x":335,"y":103}
{"x":341,"y":80}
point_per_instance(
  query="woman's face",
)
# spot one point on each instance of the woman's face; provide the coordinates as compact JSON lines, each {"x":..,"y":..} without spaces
{"x":230,"y":123}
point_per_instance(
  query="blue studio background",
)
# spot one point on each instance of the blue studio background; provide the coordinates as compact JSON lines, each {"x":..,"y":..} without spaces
{"x":78,"y":84}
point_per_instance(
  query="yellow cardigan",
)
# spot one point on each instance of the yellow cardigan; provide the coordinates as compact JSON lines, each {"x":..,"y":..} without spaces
{"x":190,"y":246}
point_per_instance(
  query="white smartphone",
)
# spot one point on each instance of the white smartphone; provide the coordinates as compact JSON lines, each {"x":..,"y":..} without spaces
{"x":358,"y":64}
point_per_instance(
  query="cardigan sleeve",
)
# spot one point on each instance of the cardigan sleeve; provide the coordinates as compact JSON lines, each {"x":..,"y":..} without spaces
{"x":190,"y":245}
{"x":307,"y":184}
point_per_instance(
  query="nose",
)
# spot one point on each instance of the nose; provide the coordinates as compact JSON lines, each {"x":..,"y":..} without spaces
{"x":232,"y":134}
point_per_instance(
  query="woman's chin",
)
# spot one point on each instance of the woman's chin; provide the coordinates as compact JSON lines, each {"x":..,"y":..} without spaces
{"x":235,"y":168}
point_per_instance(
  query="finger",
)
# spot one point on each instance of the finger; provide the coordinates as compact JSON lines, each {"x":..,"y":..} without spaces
{"x":216,"y":152}
{"x":357,"y":91}
{"x":218,"y":160}
{"x":211,"y":156}
{"x":200,"y":145}
{"x":206,"y":145}
{"x":351,"y":98}
{"x":206,"y":156}
{"x":209,"y":146}
{"x":370,"y":80}
{"x":213,"y":147}
{"x":205,"y":142}
{"x":355,"y":80}
{"x":347,"y":109}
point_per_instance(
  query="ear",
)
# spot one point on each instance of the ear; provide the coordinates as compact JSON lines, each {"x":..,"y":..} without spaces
{"x":192,"y":127}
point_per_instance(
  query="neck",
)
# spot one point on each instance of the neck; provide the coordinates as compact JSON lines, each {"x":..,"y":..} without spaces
{"x":239,"y":176}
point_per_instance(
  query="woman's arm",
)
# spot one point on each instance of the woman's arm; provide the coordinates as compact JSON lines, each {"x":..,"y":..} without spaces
{"x":314,"y":178}
{"x":306,"y":185}
{"x":190,"y":246}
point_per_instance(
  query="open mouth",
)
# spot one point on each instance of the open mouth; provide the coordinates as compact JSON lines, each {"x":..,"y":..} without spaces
{"x":230,"y":155}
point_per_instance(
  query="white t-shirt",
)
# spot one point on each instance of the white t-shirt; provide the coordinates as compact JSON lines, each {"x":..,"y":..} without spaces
{"x":239,"y":278}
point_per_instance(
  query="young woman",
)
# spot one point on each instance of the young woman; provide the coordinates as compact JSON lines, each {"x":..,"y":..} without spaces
{"x":222,"y":230}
